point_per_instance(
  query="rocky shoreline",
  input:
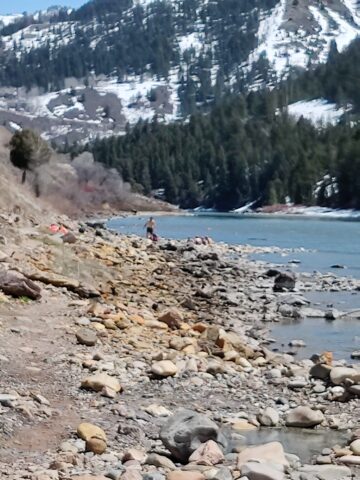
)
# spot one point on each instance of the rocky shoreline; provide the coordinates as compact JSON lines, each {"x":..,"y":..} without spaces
{"x":154,"y":361}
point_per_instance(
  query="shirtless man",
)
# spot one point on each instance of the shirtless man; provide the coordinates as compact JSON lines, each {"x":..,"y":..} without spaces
{"x":150,"y":227}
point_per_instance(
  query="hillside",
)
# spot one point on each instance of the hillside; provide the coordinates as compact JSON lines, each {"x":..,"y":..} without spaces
{"x":75,"y":75}
{"x":255,"y":147}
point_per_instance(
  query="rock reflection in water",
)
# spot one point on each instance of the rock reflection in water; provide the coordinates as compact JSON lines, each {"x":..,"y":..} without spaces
{"x":303,"y":443}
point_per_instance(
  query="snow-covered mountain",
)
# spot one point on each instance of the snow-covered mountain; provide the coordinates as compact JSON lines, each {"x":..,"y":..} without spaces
{"x":141,"y":58}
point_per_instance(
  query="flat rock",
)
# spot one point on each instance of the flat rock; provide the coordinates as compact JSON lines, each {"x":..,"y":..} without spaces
{"x":304,"y":417}
{"x":326,"y":472}
{"x":100,"y":381}
{"x":18,"y":285}
{"x":261,"y":471}
{"x":189,"y":475}
{"x":269,"y":453}
{"x":157,"y":411}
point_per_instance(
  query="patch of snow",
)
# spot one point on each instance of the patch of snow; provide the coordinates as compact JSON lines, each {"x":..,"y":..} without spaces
{"x":6,"y":20}
{"x":192,"y":40}
{"x":14,"y":126}
{"x":346,"y":33}
{"x":318,"y":111}
{"x":354,"y":8}
{"x":323,"y":212}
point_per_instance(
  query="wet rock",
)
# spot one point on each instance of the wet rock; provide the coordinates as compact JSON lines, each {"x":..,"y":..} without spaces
{"x":86,"y":337}
{"x":185,"y":431}
{"x":284,"y":282}
{"x":172,"y":318}
{"x":269,"y":417}
{"x":208,"y":453}
{"x":164,"y":368}
{"x":260,"y":471}
{"x":339,"y":374}
{"x":332,"y":314}
{"x":269,"y":453}
{"x":100,"y":381}
{"x":304,"y":417}
{"x":297,"y":343}
{"x":18,"y":285}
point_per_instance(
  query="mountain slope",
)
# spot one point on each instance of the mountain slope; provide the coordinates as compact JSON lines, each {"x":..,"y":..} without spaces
{"x":78,"y":74}
{"x":256,"y":147}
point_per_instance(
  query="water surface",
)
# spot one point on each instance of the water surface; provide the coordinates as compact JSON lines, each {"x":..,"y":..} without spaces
{"x":331,"y":241}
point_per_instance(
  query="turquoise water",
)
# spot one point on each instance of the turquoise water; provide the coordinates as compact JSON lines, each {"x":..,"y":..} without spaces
{"x":332,"y":241}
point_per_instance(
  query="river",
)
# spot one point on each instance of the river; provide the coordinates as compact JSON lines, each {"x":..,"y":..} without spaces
{"x":330,"y":241}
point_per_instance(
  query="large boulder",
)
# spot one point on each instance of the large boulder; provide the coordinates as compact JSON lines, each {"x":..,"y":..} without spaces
{"x":272,"y":452}
{"x":17,"y":285}
{"x":185,"y":431}
{"x":284,"y":282}
{"x":339,"y":374}
{"x":304,"y":417}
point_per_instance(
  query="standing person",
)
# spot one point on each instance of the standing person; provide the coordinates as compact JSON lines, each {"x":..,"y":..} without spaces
{"x":150,"y":227}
